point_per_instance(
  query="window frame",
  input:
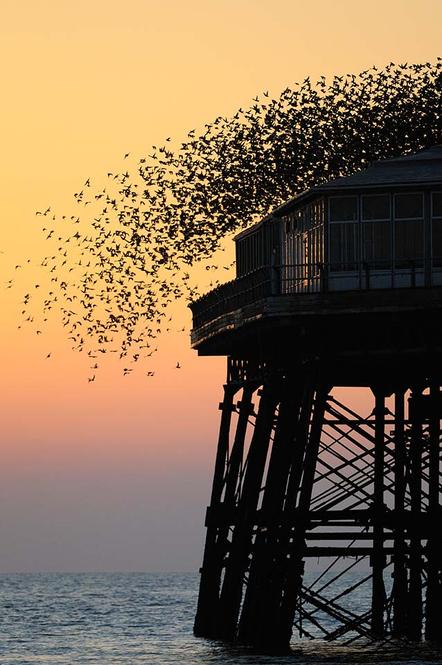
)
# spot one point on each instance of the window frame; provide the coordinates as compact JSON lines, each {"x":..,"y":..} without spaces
{"x":344,"y":221}
{"x":434,"y":218}
{"x":417,"y":260}
{"x":377,"y":263}
{"x":396,"y":194}
{"x":356,"y":222}
{"x":377,"y":219}
{"x":433,"y":192}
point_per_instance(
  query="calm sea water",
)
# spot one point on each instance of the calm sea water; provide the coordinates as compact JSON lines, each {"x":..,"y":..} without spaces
{"x":137,"y":618}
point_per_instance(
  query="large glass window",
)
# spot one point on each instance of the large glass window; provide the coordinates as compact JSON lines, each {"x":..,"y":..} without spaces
{"x":409,"y":206}
{"x":409,"y":242}
{"x":344,"y":240}
{"x":344,"y":233}
{"x":376,"y":230}
{"x":437,"y":204}
{"x":343,"y":209}
{"x":376,"y":244}
{"x":409,"y":230}
{"x":376,"y":207}
{"x":436,"y":229}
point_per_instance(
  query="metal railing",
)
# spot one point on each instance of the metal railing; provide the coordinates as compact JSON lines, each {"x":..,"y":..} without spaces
{"x":232,"y":295}
{"x":297,"y":279}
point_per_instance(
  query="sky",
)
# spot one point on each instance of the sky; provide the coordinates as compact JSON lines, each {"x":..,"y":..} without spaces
{"x":114,"y":475}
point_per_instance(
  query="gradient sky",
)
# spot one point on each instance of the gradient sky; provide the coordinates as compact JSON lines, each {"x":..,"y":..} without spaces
{"x":115,"y":474}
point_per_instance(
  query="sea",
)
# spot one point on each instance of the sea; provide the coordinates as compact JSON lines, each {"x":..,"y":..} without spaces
{"x":142,"y":619}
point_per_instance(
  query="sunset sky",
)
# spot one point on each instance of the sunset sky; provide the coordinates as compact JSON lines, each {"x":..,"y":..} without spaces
{"x":115,"y":474}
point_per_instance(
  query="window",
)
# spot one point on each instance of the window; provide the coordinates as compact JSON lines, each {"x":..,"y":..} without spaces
{"x":376,"y":206}
{"x":376,"y":230}
{"x":344,"y":233}
{"x":436,"y":229}
{"x":437,"y":204}
{"x":409,"y":229}
{"x":300,"y":222}
{"x":343,"y":209}
{"x":376,"y":244}
{"x":409,"y":206}
{"x":289,"y":223}
{"x":344,"y":240}
{"x":409,"y":242}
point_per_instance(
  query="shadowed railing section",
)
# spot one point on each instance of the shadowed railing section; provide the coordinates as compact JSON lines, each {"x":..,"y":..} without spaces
{"x":302,"y":278}
{"x":232,"y":295}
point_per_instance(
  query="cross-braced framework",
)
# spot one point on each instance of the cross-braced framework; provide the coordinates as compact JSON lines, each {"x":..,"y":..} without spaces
{"x":301,"y":476}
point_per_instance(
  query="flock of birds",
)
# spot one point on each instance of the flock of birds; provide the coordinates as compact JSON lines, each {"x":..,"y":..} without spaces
{"x":113,"y":268}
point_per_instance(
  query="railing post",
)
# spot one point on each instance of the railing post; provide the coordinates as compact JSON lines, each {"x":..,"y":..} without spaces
{"x":323,"y":278}
{"x":275,"y":277}
{"x":367,"y":274}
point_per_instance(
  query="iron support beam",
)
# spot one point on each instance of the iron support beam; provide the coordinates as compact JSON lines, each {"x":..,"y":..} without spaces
{"x":295,"y":564}
{"x":238,"y":557}
{"x":263,"y":589}
{"x":378,"y":557}
{"x":414,"y":602}
{"x":433,"y":623}
{"x":210,"y":569}
{"x":400,"y":580}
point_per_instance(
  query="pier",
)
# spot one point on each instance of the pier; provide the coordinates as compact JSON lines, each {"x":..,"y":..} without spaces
{"x":339,"y":287}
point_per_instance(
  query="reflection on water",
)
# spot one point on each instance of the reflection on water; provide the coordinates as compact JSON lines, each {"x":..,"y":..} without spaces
{"x":317,"y":651}
{"x":141,"y":619}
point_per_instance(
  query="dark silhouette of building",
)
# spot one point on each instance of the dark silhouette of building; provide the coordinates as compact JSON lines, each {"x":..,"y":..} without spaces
{"x":340,"y":287}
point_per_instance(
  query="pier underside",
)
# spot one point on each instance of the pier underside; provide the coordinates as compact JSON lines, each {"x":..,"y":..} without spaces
{"x":301,"y":476}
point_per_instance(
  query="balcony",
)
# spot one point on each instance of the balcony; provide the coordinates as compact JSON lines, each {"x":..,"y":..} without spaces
{"x":299,"y":289}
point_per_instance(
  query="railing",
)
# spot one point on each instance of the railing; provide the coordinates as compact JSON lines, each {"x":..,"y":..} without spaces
{"x":300,"y":278}
{"x":294,"y":279}
{"x":232,"y":295}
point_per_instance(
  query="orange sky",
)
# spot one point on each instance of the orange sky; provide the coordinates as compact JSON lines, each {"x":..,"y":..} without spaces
{"x":114,"y":475}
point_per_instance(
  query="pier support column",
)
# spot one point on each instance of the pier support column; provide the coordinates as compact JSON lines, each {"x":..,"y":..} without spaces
{"x":433,"y":623}
{"x":378,"y":557}
{"x":264,"y":585}
{"x":400,"y":577}
{"x":414,"y":602}
{"x":212,"y":562}
{"x":238,"y":557}
{"x":270,"y":503}
{"x":282,"y":630}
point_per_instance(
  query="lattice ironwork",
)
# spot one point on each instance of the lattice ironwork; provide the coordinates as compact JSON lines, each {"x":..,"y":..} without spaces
{"x":300,"y":475}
